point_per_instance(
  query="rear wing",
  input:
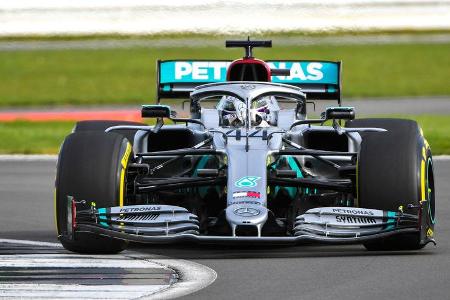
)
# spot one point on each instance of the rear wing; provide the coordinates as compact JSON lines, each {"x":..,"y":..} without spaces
{"x":318,"y":79}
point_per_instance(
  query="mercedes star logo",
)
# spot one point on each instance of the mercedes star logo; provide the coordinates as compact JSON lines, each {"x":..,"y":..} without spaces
{"x":246,"y":212}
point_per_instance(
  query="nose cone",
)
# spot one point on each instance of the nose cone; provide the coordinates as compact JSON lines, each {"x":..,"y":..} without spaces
{"x":246,"y":215}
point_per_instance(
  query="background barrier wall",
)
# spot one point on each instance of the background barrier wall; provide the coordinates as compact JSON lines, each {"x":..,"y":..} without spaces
{"x":24,"y":17}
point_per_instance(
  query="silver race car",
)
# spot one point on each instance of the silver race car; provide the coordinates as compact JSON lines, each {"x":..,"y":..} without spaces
{"x":247,"y":167}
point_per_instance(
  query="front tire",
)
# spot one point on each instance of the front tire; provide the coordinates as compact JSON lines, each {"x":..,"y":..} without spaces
{"x":91,"y":167}
{"x":394,"y":170}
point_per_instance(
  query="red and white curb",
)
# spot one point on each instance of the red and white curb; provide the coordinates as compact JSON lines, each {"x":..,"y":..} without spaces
{"x":192,"y":276}
{"x":76,"y":115}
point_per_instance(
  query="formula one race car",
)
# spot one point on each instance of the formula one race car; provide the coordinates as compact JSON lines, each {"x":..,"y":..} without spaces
{"x":247,"y":167}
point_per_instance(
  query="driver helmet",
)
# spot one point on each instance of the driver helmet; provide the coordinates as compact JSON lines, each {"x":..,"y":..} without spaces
{"x":233,"y":112}
{"x":261,"y":114}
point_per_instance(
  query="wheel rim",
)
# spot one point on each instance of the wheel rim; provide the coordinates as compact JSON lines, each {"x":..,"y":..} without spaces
{"x":430,"y":190}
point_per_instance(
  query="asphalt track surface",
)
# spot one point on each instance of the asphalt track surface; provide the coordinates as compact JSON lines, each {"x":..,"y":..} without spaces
{"x":300,"y":272}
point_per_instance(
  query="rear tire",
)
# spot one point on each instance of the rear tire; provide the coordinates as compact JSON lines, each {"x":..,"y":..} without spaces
{"x":90,"y":167}
{"x":390,"y":175}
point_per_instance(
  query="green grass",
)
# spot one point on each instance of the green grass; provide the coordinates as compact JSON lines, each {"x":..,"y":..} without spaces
{"x":436,"y":129}
{"x":46,"y":137}
{"x":127,"y":76}
{"x":33,"y":137}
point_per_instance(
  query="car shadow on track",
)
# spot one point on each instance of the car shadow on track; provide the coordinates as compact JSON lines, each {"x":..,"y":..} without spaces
{"x":206,"y":251}
{"x":190,"y":251}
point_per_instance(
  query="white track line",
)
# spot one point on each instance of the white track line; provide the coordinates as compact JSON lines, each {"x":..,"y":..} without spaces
{"x":30,"y":243}
{"x":441,"y":157}
{"x":73,"y":291}
{"x":193,"y":276}
{"x":76,"y":261}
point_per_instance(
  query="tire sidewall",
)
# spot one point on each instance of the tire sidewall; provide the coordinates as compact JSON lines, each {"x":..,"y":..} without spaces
{"x":416,"y":169}
{"x":119,"y":156}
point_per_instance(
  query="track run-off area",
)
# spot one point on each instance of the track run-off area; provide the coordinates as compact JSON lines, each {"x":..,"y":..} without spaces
{"x":32,"y":264}
{"x":33,"y":269}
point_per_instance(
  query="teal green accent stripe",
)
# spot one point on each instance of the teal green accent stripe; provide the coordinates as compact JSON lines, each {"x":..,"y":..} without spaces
{"x":294,"y":166}
{"x":309,"y":72}
{"x":277,"y":188}
{"x":166,"y":88}
{"x":391,"y":219}
{"x":292,"y":191}
{"x":391,"y":215}
{"x":331,"y":89}
{"x":201,"y":165}
{"x":102,"y":217}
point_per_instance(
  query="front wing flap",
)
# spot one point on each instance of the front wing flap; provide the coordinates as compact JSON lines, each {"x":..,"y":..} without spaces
{"x":351,"y":222}
{"x":145,"y":220}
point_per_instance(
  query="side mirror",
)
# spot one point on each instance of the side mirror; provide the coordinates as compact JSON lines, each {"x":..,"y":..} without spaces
{"x":339,"y":112}
{"x":156,"y":111}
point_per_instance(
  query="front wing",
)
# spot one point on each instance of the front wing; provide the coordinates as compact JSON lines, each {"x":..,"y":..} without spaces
{"x":161,"y":224}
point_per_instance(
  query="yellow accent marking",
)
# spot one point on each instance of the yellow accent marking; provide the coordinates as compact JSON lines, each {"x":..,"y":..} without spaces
{"x":124,"y":163}
{"x":122,"y":183}
{"x":424,"y":153}
{"x":430,"y":232}
{"x":126,"y":156}
{"x":422,"y":179}
{"x":421,"y":131}
{"x":400,"y":208}
{"x":426,"y":144}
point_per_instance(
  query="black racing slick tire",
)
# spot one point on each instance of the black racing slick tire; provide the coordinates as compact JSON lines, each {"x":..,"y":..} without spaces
{"x":91,"y":167}
{"x":102,"y":125}
{"x":394,"y":170}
